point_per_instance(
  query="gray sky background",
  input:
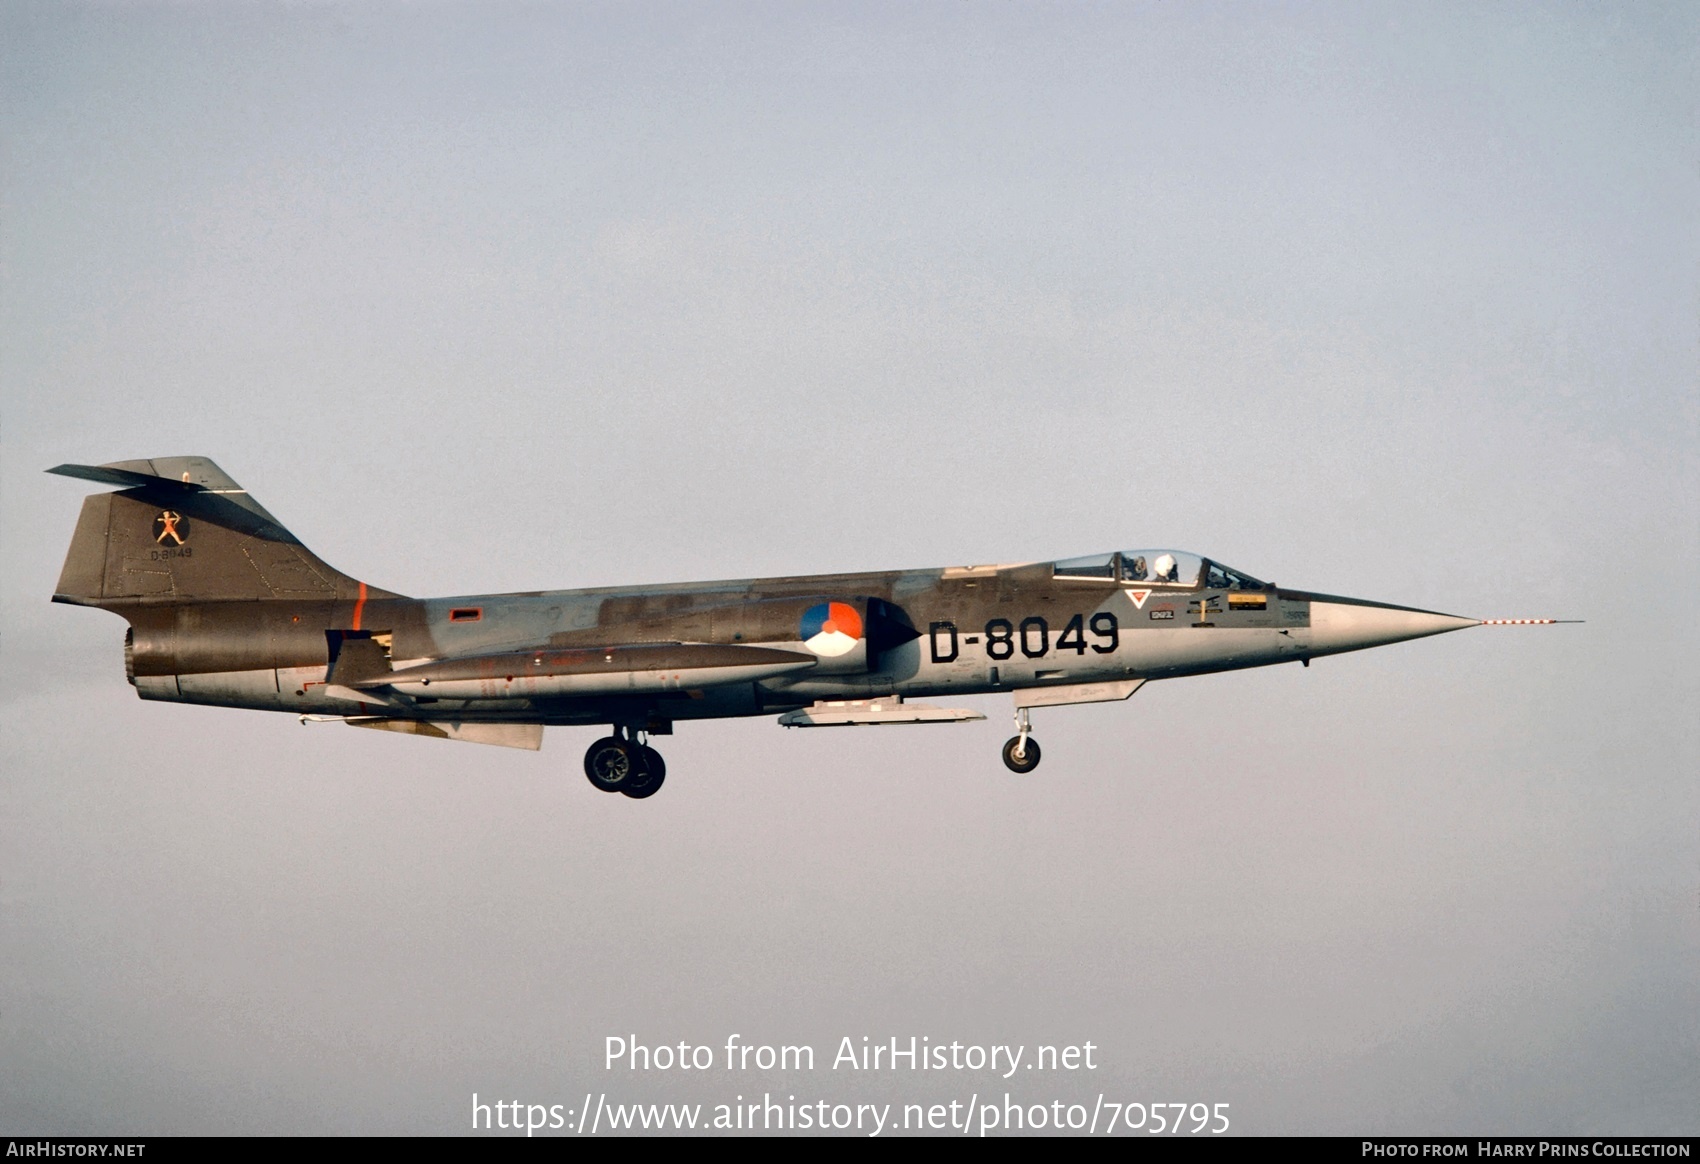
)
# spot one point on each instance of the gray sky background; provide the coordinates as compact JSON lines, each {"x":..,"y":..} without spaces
{"x":1383,"y":300}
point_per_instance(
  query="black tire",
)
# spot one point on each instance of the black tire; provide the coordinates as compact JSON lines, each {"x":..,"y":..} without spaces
{"x":610,"y":762}
{"x":591,"y":751}
{"x":1029,"y":758}
{"x":646,"y":782}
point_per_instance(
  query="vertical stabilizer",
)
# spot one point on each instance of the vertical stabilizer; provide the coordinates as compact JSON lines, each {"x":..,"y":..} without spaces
{"x":181,"y":529}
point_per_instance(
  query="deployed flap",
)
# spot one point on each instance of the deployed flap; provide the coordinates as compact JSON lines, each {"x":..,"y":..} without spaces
{"x":1077,"y":693}
{"x":889,"y":709}
{"x":502,"y":735}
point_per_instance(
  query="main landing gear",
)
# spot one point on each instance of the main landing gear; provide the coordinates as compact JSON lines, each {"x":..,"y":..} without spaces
{"x":1021,"y":753}
{"x":624,"y":763}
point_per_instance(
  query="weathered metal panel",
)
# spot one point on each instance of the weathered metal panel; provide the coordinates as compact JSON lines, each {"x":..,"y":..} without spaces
{"x":257,"y":689}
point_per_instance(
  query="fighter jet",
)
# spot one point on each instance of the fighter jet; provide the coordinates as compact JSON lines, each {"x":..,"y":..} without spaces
{"x":226,"y":607}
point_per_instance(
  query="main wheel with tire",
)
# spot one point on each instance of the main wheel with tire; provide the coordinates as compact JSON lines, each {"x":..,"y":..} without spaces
{"x":611,"y":762}
{"x":1027,"y":760}
{"x":646,"y":779}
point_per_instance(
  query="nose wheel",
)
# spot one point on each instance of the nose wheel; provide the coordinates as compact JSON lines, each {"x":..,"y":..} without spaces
{"x":622,"y":763}
{"x":1021,"y":753}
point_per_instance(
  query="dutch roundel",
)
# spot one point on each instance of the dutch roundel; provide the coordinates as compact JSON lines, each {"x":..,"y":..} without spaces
{"x":831,"y":629}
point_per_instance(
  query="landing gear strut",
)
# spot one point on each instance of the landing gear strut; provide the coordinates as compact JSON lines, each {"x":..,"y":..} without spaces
{"x":624,"y":763}
{"x":1021,"y":753}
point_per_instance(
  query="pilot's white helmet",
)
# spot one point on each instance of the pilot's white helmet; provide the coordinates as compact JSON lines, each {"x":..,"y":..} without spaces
{"x":1164,"y":565}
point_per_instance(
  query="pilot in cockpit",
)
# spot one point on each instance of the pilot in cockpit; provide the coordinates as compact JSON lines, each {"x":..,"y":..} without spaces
{"x":1165,"y":569}
{"x":1133,"y":569}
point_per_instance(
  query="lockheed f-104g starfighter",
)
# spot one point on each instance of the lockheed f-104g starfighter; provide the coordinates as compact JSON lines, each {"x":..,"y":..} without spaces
{"x":226,"y":607}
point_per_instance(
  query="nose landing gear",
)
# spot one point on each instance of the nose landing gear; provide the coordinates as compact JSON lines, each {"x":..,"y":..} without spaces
{"x":1021,"y":753}
{"x":624,"y":763}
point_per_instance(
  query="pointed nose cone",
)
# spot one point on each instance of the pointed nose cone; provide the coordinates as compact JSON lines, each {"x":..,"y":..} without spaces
{"x":1350,"y":624}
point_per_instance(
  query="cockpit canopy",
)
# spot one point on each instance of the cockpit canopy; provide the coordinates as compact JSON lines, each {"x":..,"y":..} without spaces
{"x":1175,"y":568}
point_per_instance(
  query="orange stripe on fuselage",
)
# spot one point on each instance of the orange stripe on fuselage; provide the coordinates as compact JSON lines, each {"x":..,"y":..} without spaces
{"x":359,"y":606}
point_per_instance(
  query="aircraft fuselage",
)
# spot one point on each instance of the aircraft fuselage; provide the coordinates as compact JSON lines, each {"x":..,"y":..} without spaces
{"x":227,"y":607}
{"x":951,"y":631}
